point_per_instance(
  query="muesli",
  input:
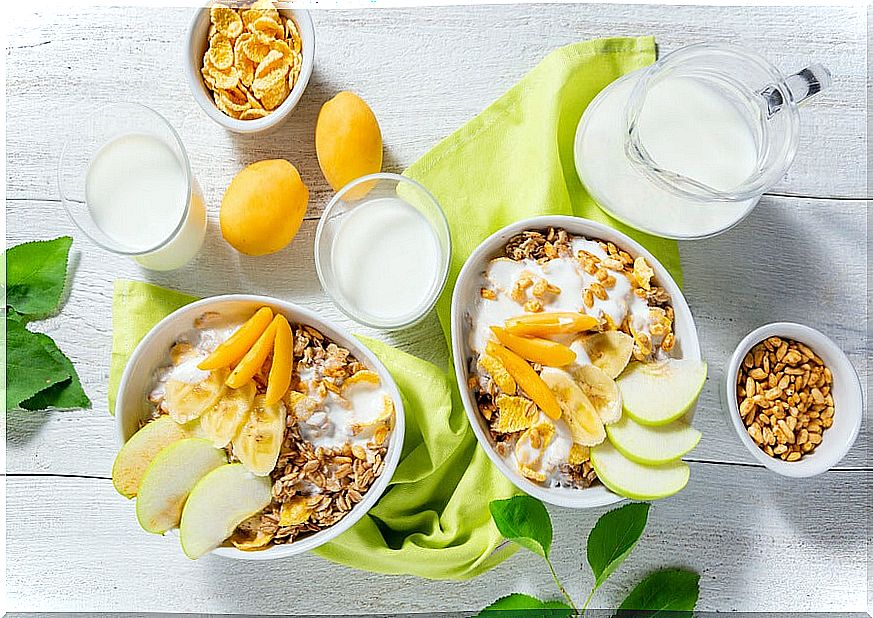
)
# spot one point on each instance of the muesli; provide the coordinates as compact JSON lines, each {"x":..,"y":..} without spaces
{"x":558,"y":319}
{"x":296,"y":410}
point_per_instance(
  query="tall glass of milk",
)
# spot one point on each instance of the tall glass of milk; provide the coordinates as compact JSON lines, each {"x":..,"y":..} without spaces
{"x":685,"y":148}
{"x":125,"y":181}
{"x":382,"y":250}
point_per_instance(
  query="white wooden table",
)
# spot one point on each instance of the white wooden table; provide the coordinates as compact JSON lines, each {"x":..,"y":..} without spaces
{"x":760,"y":542}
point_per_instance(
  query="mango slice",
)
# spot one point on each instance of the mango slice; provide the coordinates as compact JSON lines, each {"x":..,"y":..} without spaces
{"x":283,"y":360}
{"x":550,"y":323}
{"x":528,"y":379}
{"x":240,"y":342}
{"x":254,"y":359}
{"x":536,"y":349}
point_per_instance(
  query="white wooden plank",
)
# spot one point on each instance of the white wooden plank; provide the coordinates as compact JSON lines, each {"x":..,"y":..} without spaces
{"x":78,"y":548}
{"x":769,"y":268}
{"x":422,"y":86}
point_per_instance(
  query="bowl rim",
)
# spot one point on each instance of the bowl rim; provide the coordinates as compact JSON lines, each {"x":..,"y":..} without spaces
{"x":816,"y":340}
{"x":340,"y":337}
{"x":579,"y":499}
{"x":198,"y":24}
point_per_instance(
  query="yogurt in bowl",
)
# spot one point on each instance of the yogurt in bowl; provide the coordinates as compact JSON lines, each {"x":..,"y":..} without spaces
{"x":559,"y":325}
{"x":308,"y":446}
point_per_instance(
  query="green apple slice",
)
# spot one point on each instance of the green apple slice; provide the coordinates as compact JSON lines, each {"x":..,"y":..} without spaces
{"x":661,"y":392}
{"x":138,"y":452}
{"x":219,"y":502}
{"x":636,"y":481}
{"x":652,"y":446}
{"x":169,"y":479}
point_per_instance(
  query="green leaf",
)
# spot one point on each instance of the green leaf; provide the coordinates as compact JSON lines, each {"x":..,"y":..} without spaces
{"x":30,"y":365}
{"x":36,"y":273}
{"x":65,"y":395}
{"x":671,"y":593}
{"x":522,"y":605}
{"x":524,"y":520}
{"x":613,"y":537}
{"x":12,"y":314}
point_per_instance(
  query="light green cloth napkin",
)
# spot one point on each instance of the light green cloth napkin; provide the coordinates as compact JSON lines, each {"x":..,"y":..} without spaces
{"x":514,"y":160}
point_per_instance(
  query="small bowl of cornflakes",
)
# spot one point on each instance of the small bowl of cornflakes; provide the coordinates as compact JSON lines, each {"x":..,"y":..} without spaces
{"x":249,"y":63}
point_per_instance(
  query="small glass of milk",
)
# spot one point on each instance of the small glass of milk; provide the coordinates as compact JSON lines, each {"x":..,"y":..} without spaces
{"x":125,"y":181}
{"x":686,"y":147}
{"x":382,"y":250}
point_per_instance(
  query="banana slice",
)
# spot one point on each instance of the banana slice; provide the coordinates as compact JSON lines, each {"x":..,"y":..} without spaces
{"x":610,"y":350}
{"x":186,"y":402}
{"x":260,"y":439}
{"x":602,"y":392}
{"x":578,"y":412}
{"x":222,"y":422}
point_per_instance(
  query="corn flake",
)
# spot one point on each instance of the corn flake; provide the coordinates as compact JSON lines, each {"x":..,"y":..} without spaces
{"x":226,"y":20}
{"x":495,"y":369}
{"x":578,"y":454}
{"x":266,"y":29}
{"x":220,"y":51}
{"x":516,"y":414}
{"x":364,"y":376}
{"x":253,"y":59}
{"x":643,"y":273}
{"x":531,"y":474}
{"x":259,"y":542}
{"x":295,"y":511}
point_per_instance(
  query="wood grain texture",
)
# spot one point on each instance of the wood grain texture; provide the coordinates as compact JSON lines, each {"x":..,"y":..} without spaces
{"x":770,"y":268}
{"x":425,"y":72}
{"x":744,"y":542}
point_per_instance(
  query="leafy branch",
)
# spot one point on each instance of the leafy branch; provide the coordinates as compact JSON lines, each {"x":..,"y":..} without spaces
{"x":525,"y":521}
{"x":38,"y":374}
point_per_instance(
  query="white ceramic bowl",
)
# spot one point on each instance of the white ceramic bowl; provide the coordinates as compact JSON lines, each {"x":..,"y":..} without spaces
{"x":196,"y":47}
{"x":467,"y":291}
{"x":846,"y":390}
{"x":153,"y":352}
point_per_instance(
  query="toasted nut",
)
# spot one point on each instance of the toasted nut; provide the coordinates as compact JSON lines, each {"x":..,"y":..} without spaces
{"x":784,"y":397}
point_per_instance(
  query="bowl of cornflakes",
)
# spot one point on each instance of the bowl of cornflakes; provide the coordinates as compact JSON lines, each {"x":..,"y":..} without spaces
{"x":249,"y":63}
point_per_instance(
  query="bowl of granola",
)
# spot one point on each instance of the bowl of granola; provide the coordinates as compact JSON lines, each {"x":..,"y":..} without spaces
{"x":253,"y":429}
{"x":578,"y":362}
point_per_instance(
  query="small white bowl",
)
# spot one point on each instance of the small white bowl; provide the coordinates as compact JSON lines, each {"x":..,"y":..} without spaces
{"x":846,"y":390}
{"x":467,"y":291}
{"x":196,"y":47}
{"x":153,"y":352}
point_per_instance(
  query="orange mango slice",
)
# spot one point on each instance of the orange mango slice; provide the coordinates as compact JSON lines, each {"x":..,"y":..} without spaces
{"x":553,"y":323}
{"x":283,"y":359}
{"x":254,"y":359}
{"x":535,"y":349}
{"x":239,"y":343}
{"x":528,"y":379}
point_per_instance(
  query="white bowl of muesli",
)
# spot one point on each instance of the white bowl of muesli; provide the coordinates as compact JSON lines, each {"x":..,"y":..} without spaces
{"x":253,"y":429}
{"x":554,"y":319}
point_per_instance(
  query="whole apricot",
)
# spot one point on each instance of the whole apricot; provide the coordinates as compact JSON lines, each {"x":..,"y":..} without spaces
{"x":263,"y":207}
{"x":348,"y":140}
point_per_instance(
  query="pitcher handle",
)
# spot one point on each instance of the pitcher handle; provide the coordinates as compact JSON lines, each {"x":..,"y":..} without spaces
{"x":800,"y":87}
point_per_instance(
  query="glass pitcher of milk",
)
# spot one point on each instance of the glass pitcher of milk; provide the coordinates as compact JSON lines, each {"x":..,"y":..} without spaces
{"x":125,"y":181}
{"x":686,"y":147}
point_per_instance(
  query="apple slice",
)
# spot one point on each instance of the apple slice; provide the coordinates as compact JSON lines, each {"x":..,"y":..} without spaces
{"x":661,"y":392}
{"x":219,"y":502}
{"x":169,"y":479}
{"x":652,"y":446}
{"x":138,"y":452}
{"x":636,"y":481}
